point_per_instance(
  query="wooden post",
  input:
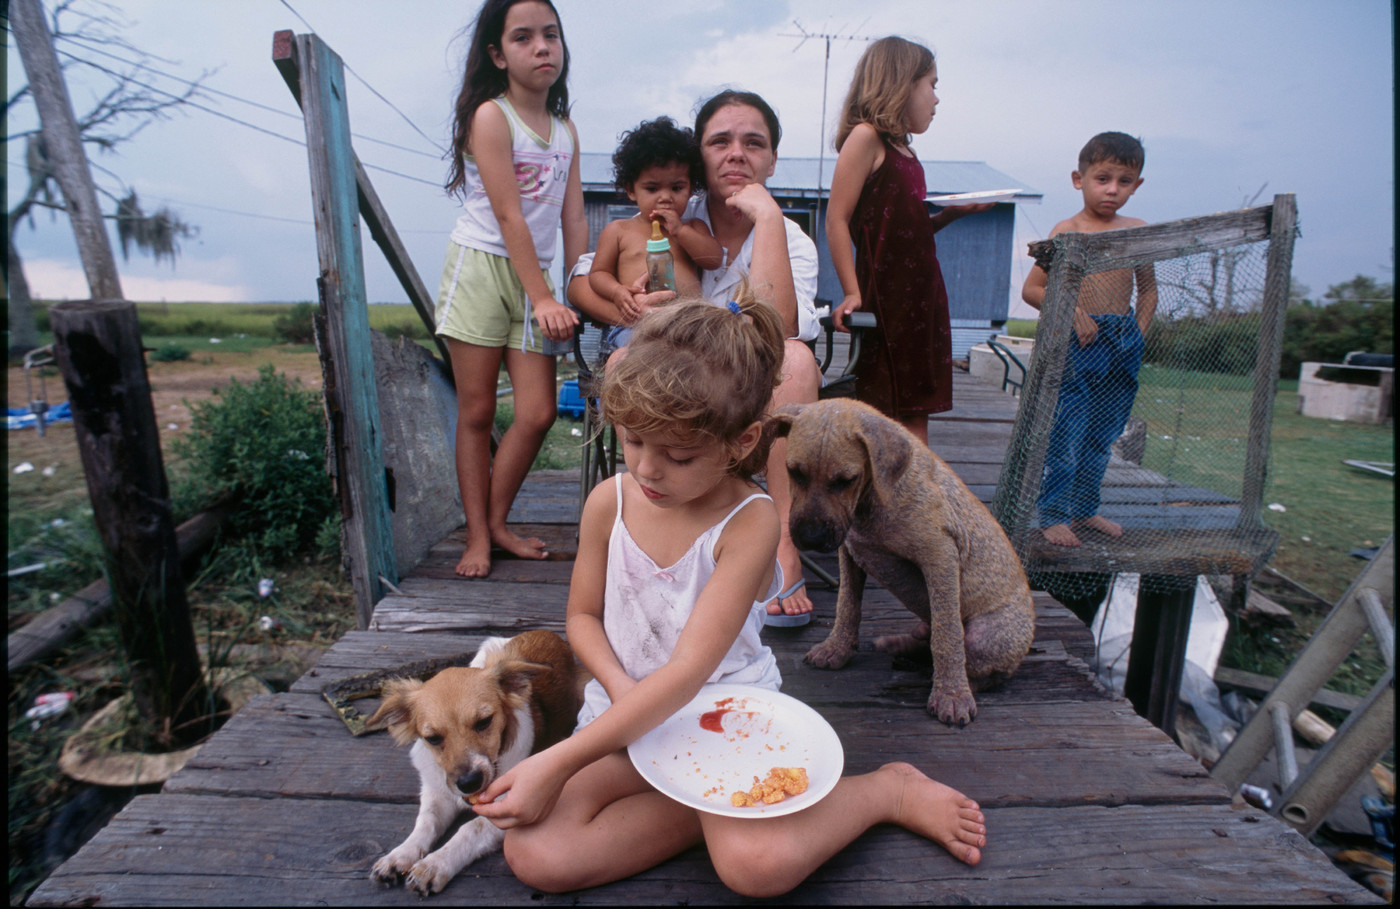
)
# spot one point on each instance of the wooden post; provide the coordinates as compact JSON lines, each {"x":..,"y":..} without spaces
{"x":381,"y":228}
{"x":1157,"y":653}
{"x":1282,"y":231}
{"x":352,"y":400}
{"x":64,"y":142}
{"x":52,"y":628}
{"x":98,"y":348}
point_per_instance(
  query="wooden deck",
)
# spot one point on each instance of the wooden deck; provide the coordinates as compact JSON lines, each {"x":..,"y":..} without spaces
{"x":1086,"y":802}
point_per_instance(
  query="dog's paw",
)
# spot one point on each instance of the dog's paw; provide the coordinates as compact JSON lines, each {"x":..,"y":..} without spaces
{"x":954,"y":705}
{"x":428,"y":877}
{"x":395,"y":865}
{"x":828,"y":654}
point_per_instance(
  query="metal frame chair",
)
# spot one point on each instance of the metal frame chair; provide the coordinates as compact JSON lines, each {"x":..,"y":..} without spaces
{"x":1008,"y":358}
{"x":600,"y":440}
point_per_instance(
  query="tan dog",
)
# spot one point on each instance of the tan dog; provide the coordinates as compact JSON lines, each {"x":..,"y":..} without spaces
{"x":468,"y":726}
{"x":861,"y":482}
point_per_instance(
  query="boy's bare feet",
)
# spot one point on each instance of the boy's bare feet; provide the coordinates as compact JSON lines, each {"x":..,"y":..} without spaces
{"x":1060,"y":535}
{"x":476,"y":558}
{"x":940,"y":813}
{"x":1103,"y":525}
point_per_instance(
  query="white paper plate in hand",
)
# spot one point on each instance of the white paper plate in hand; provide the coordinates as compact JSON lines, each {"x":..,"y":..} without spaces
{"x":978,"y":198}
{"x":761,"y":729}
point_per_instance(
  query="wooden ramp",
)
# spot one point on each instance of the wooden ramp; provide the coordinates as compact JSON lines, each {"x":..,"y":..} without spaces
{"x":1085,"y":801}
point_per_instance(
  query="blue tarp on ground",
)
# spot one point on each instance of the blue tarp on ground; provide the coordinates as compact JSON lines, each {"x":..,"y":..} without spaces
{"x":21,"y":418}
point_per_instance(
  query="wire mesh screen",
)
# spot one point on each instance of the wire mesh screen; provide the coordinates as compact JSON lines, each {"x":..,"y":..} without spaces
{"x":1141,"y":440}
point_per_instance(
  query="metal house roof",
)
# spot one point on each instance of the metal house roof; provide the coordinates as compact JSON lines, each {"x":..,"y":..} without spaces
{"x":798,"y":177}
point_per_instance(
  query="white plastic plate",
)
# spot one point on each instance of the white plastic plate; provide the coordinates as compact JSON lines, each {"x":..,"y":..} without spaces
{"x":759,"y":730}
{"x":988,"y":195}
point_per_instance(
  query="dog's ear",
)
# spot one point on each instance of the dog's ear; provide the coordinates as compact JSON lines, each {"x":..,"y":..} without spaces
{"x":779,"y":422}
{"x":514,"y":678}
{"x":889,"y":446}
{"x":396,"y":710}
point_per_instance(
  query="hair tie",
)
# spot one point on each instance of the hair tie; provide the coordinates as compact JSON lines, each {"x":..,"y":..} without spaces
{"x":733,"y":307}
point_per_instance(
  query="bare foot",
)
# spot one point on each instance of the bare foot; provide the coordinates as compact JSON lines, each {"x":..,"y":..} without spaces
{"x":940,"y":813}
{"x":1060,"y":535}
{"x":1103,"y":525}
{"x":795,"y":603}
{"x":476,"y":558}
{"x":520,"y":547}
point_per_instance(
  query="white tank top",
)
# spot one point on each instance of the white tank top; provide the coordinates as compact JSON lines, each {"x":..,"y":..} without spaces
{"x":541,"y":172}
{"x":646,"y":606}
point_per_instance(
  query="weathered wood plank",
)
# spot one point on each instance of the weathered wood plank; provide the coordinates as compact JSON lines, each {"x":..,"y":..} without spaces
{"x":1162,"y":495}
{"x":352,"y":398}
{"x":1182,"y":552}
{"x":293,"y":745}
{"x":1283,"y":218}
{"x":1168,"y":240}
{"x":436,"y":606}
{"x":183,"y":849}
{"x":359,"y":652}
{"x":441,"y":563}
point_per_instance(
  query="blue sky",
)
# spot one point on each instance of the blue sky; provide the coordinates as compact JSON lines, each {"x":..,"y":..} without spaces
{"x":1290,"y":95}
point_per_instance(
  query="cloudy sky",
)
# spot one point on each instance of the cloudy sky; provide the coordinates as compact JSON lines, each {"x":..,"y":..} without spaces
{"x":1285,"y":95}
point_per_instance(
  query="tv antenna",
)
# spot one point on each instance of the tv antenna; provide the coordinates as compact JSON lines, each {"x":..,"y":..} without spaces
{"x":826,"y":69}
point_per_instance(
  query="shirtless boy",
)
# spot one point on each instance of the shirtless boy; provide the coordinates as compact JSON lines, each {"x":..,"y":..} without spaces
{"x":1096,"y":396}
{"x":658,"y":165}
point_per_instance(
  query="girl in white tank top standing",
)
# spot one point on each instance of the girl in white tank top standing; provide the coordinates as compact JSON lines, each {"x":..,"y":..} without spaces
{"x":676,"y":560}
{"x":515,"y":164}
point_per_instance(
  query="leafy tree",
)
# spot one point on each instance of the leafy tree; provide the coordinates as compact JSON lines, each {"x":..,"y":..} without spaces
{"x":1356,"y":315}
{"x":87,"y":37}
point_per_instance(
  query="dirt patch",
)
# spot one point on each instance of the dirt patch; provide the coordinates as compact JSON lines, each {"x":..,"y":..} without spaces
{"x":174,"y":386}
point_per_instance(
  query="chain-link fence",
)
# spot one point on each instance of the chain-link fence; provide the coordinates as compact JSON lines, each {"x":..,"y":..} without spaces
{"x":1141,"y":441}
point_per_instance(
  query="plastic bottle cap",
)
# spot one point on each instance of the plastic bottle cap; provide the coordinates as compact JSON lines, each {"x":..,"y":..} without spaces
{"x":657,"y":243}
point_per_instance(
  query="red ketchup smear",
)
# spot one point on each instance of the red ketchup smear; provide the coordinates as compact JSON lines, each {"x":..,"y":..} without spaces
{"x":712,"y":720}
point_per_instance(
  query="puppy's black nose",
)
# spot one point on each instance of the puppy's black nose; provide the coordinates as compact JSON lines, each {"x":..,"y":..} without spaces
{"x":814,"y":535}
{"x":469,"y":784}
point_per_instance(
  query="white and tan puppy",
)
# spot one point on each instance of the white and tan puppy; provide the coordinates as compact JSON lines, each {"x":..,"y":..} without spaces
{"x":862,"y":483}
{"x":468,"y":726}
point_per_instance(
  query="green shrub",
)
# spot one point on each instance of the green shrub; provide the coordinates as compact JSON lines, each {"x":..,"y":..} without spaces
{"x":169,"y":352}
{"x":297,"y":326}
{"x":413,"y":329}
{"x":1326,"y":334}
{"x":1224,"y":344}
{"x":328,"y":536}
{"x":264,"y":445}
{"x":196,"y":327}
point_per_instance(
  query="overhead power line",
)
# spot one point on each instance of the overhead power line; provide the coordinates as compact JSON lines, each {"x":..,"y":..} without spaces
{"x":214,"y":91}
{"x":392,"y":106}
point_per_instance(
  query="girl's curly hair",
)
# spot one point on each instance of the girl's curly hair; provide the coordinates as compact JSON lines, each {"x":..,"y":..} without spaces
{"x":652,"y":143}
{"x":700,"y":371}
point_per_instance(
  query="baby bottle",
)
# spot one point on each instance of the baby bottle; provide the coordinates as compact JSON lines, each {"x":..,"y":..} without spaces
{"x":661,"y":265}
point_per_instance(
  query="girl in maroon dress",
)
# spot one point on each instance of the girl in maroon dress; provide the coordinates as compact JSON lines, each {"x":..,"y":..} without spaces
{"x":877,"y":201}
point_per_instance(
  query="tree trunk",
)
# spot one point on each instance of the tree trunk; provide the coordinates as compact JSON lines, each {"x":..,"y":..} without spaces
{"x":98,"y":348}
{"x":24,"y":337}
{"x":65,"y":146}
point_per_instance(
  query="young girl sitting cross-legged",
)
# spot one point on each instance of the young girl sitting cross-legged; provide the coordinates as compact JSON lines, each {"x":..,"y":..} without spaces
{"x":676,"y":560}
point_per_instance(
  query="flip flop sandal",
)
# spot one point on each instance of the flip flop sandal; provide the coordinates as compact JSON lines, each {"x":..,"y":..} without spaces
{"x":782,"y":619}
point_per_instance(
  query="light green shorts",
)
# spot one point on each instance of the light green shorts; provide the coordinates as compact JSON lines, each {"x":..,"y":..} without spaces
{"x":481,"y":301}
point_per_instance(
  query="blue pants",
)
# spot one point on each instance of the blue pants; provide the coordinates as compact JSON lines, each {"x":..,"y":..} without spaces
{"x":1096,"y":399}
